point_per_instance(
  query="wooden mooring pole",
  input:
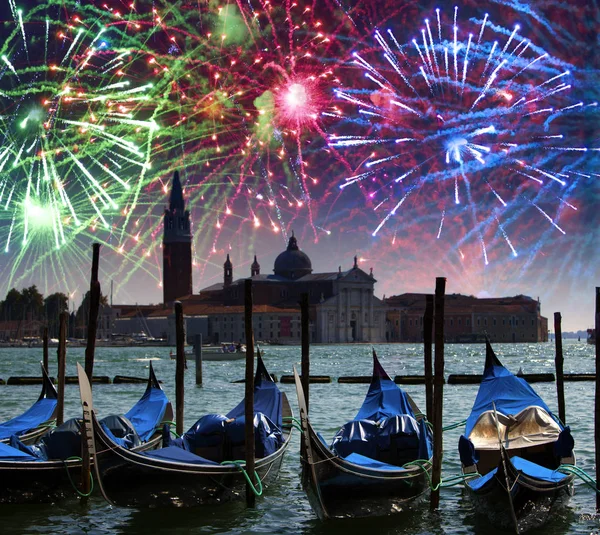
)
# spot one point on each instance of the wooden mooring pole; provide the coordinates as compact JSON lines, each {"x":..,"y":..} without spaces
{"x":558,"y":363}
{"x":249,"y":404}
{"x":62,"y":366}
{"x":45,"y":350}
{"x":438,"y":392}
{"x":305,"y":364}
{"x":198,"y":357}
{"x":427,"y":341}
{"x":179,"y":367}
{"x":597,"y":403}
{"x":94,"y":303}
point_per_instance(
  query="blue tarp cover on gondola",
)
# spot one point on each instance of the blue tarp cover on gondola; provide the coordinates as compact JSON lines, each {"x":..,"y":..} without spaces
{"x":40,"y":412}
{"x":367,"y":462}
{"x":222,"y":437}
{"x":510,"y":393}
{"x":267,"y":397}
{"x":384,"y":398}
{"x":8,"y":453}
{"x":527,"y":467}
{"x":147,"y":414}
{"x":175,"y":454}
{"x":37,"y":414}
{"x":385,"y":428}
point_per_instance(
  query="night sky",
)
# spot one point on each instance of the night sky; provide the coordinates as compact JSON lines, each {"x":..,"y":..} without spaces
{"x":473,"y":157}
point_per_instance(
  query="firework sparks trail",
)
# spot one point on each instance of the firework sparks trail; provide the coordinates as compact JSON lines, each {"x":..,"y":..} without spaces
{"x":74,"y":139}
{"x":490,"y":112}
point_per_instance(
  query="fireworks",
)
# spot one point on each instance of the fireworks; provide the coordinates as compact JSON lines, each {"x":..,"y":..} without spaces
{"x":473,"y":112}
{"x":75,"y":131}
{"x":283,"y":115}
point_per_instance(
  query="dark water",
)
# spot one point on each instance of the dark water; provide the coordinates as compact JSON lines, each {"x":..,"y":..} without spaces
{"x":284,"y":508}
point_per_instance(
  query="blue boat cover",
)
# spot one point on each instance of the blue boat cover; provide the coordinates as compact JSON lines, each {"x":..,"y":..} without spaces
{"x":8,"y":453}
{"x":147,"y":414}
{"x":367,"y":462}
{"x":510,"y":393}
{"x":179,"y":455}
{"x":40,"y":412}
{"x":267,"y":397}
{"x":479,"y":482}
{"x":221,"y":438}
{"x":467,"y":452}
{"x":384,"y":398}
{"x":527,"y":467}
{"x":121,"y":431}
{"x":385,"y":428}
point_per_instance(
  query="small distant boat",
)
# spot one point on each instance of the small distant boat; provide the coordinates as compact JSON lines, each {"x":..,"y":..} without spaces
{"x":216,"y":353}
{"x":202,"y":467}
{"x":514,"y":447}
{"x":36,"y":420}
{"x":378,"y":464}
{"x":46,"y":471}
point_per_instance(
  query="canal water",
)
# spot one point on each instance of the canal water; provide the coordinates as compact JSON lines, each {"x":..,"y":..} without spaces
{"x":284,"y":507}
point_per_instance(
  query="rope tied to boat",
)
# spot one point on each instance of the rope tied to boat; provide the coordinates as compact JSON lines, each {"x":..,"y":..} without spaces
{"x":82,"y":494}
{"x":293,"y":422}
{"x":447,"y":428}
{"x":444,"y":483}
{"x":580,"y":473}
{"x":240,"y":464}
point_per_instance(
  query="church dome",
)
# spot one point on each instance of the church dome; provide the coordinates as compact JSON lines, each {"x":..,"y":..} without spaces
{"x":292,"y":263}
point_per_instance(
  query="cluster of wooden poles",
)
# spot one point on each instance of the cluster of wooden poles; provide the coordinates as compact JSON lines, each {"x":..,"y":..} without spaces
{"x":433,"y":369}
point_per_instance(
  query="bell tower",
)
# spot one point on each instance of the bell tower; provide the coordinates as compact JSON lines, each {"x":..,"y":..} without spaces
{"x":177,"y":246}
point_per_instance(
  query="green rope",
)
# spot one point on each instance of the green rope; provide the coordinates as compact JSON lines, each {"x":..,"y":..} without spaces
{"x":238,"y":464}
{"x":580,"y":473}
{"x":82,"y":494}
{"x":454,"y":426}
{"x":292,"y":419}
{"x":169,"y":423}
{"x":448,"y":482}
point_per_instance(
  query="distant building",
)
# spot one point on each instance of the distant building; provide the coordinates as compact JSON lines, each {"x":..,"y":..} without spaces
{"x":469,"y":319}
{"x":342,"y":304}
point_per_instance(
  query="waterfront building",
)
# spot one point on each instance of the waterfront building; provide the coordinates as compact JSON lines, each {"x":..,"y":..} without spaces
{"x":342,"y":304}
{"x":469,"y":319}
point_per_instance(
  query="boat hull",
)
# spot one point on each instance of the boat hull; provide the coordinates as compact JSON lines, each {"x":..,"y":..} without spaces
{"x":130,"y":480}
{"x":339,"y":489}
{"x":47,"y":481}
{"x":534,"y":501}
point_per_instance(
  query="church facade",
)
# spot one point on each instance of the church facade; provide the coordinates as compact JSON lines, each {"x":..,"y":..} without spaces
{"x":342,"y":304}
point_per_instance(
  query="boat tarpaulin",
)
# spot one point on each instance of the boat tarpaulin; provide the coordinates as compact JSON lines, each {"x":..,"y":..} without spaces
{"x":511,"y":394}
{"x":394,"y":440}
{"x":8,"y":453}
{"x":267,"y":397}
{"x":384,"y":398}
{"x":41,"y":411}
{"x":367,"y":462}
{"x":147,"y":414}
{"x":178,"y":455}
{"x":385,"y":428}
{"x":522,"y":465}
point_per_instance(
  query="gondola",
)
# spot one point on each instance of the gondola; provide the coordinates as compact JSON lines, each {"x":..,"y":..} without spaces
{"x":36,"y":420}
{"x":378,"y":464}
{"x":48,"y":470}
{"x":513,"y":447}
{"x":204,"y":466}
